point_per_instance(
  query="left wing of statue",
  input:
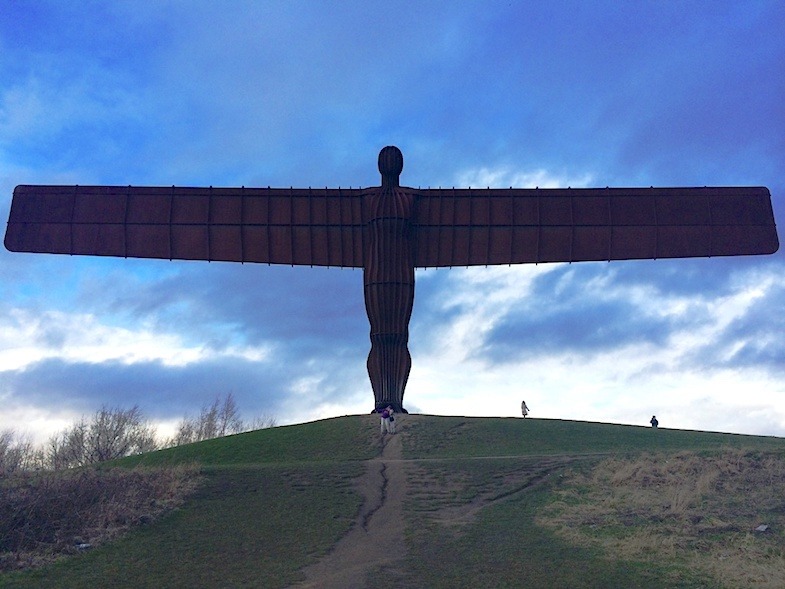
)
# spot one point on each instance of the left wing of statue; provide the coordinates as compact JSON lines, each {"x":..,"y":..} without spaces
{"x":317,"y":227}
{"x":467,"y":227}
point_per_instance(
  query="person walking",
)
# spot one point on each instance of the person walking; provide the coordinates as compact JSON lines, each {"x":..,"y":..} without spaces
{"x":524,"y":409}
{"x":653,"y":421}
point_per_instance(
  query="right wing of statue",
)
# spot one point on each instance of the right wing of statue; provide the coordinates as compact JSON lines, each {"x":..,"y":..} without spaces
{"x":467,"y":227}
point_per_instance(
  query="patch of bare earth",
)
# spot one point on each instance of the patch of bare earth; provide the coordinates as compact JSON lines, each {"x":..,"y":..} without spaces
{"x":376,"y":539}
{"x":452,"y":495}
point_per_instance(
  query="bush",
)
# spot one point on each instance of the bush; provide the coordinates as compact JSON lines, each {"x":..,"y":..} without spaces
{"x":47,"y":514}
{"x":17,"y":453}
{"x":219,"y":419}
{"x":112,"y":433}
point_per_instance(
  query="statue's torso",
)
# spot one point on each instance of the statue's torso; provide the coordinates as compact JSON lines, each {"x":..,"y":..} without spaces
{"x":388,"y":239}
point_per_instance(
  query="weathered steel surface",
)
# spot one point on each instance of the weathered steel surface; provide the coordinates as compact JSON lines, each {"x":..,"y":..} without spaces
{"x":467,"y":227}
{"x":388,"y":280}
{"x":451,"y":227}
{"x":318,"y":227}
{"x":391,"y":230}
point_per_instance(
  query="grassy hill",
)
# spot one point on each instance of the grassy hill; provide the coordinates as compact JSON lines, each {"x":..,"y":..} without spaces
{"x":488,"y":503}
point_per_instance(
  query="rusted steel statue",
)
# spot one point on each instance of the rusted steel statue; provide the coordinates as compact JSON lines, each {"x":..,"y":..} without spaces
{"x":388,"y":280}
{"x":390,"y":230}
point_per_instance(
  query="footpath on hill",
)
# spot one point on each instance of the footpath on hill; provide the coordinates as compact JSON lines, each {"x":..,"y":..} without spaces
{"x":377,"y":537}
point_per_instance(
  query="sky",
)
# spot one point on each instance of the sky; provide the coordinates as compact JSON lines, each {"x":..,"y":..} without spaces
{"x":486,"y":93}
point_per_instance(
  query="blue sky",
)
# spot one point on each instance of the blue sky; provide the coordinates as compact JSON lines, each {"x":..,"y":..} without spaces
{"x":476,"y":93}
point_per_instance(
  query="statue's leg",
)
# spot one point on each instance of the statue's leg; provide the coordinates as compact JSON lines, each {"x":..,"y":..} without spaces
{"x":389,"y":308}
{"x":389,"y":364}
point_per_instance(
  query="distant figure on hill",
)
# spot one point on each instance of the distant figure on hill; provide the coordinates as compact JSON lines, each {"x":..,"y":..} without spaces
{"x":524,"y":409}
{"x":653,"y":421}
{"x":391,"y":420}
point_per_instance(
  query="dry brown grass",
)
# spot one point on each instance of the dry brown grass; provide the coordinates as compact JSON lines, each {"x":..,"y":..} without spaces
{"x":696,"y":511}
{"x":44,"y":515}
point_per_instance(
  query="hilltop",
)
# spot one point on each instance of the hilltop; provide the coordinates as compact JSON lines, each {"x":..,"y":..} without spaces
{"x":455,"y":502}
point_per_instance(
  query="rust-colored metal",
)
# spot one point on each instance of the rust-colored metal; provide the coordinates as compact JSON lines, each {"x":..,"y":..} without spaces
{"x":388,"y":280}
{"x":389,"y":231}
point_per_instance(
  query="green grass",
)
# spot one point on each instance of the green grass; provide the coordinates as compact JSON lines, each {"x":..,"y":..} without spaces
{"x":504,"y":549}
{"x":246,"y":527}
{"x":332,"y":440}
{"x":272,"y":501}
{"x":457,"y":437}
{"x":275,"y":500}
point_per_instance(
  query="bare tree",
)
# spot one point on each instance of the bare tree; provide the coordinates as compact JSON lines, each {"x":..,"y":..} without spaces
{"x":215,"y":420}
{"x":111,"y":433}
{"x":115,"y":433}
{"x":262,"y":422}
{"x":69,"y":447}
{"x":220,"y":418}
{"x":229,"y":420}
{"x":17,"y":453}
{"x":185,"y":434}
{"x":207,"y":422}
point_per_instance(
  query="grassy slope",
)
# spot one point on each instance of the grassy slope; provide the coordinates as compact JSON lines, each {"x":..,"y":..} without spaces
{"x":271,"y":502}
{"x":274,"y":500}
{"x":501,"y":546}
{"x":461,"y":437}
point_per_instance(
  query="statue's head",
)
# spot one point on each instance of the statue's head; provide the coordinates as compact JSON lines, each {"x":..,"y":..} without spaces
{"x":390,"y":165}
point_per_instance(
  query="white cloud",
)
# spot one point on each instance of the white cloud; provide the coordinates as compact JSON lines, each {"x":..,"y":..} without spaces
{"x":27,"y":338}
{"x":484,"y":295}
{"x":34,"y":422}
{"x":506,"y":176}
{"x":622,"y":385}
{"x":630,"y":386}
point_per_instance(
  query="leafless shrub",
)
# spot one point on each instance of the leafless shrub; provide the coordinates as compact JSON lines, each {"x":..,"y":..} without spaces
{"x":261,"y":422}
{"x":114,"y":433}
{"x":17,"y":453}
{"x":47,"y":514}
{"x":111,"y":433}
{"x":221,"y":418}
{"x":218,"y":419}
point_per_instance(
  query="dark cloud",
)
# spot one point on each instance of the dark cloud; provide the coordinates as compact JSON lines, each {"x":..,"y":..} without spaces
{"x":252,"y":302}
{"x":163,"y":391}
{"x":590,"y":309}
{"x":169,"y":392}
{"x":753,"y":340}
{"x":432,"y":287}
{"x":563,"y":314}
{"x":679,"y":278}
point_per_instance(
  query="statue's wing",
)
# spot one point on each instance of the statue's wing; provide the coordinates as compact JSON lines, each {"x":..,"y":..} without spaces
{"x":466,"y":227}
{"x":319,"y":227}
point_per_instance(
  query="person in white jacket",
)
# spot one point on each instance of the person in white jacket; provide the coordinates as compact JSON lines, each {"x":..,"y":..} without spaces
{"x":524,"y":409}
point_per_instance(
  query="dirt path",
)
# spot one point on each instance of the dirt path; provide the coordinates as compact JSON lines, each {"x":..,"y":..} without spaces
{"x":376,"y":538}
